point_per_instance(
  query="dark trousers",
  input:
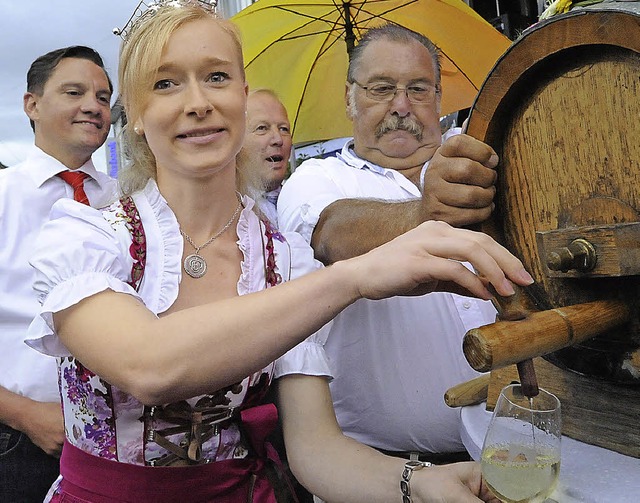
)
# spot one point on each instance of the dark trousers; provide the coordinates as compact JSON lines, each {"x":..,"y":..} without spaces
{"x":26,"y":471}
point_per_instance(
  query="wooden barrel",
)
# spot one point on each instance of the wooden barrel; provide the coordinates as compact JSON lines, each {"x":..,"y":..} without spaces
{"x":562,"y":110}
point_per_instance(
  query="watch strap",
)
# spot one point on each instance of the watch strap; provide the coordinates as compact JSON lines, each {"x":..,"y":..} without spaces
{"x":405,"y":481}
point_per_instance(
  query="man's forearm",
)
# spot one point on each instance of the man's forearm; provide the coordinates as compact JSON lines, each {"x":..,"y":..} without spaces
{"x":12,"y":408}
{"x":350,"y":227}
{"x":42,"y":422}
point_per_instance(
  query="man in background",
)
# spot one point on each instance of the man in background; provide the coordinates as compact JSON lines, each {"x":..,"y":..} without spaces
{"x":68,"y":104}
{"x":267,"y":147}
{"x":394,"y":359}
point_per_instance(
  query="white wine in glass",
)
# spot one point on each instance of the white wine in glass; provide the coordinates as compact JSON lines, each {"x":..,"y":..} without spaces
{"x":521,"y":451}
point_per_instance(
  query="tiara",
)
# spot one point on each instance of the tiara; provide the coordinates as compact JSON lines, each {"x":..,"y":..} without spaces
{"x":146,"y":10}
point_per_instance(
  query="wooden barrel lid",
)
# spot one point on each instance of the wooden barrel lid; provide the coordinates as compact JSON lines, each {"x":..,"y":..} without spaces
{"x":562,"y":110}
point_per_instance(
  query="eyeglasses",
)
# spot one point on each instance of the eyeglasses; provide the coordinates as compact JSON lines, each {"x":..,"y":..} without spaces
{"x":423,"y":94}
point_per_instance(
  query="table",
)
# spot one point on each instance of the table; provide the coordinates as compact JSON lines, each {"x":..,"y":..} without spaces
{"x":588,"y":474}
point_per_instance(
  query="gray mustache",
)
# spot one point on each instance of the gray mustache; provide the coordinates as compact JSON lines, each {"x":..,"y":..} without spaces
{"x":395,"y":123}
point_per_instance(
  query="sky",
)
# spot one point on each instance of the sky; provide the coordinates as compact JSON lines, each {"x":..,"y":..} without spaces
{"x":30,"y":28}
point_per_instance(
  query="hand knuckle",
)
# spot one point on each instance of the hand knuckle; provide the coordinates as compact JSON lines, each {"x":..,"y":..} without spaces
{"x":457,"y":140}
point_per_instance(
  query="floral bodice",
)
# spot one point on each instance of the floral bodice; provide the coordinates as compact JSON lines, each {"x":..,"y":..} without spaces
{"x":102,"y":420}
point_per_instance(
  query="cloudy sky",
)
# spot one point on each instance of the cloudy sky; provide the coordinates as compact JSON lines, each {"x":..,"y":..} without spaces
{"x":30,"y":28}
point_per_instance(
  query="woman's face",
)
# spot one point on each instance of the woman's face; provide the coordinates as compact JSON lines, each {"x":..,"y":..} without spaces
{"x":194,"y":119}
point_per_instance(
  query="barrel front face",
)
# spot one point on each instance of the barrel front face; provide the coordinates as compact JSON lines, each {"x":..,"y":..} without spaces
{"x":562,"y":110}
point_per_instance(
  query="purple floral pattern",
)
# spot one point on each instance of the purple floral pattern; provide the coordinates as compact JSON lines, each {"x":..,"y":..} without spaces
{"x":88,"y":409}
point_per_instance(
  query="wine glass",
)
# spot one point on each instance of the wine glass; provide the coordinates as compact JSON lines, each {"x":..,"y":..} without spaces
{"x":521,"y":451}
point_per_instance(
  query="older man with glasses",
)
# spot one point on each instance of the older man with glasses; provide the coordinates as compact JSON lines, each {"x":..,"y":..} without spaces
{"x":394,"y":359}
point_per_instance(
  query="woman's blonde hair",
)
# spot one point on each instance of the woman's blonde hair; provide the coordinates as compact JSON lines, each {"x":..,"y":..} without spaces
{"x":140,"y":56}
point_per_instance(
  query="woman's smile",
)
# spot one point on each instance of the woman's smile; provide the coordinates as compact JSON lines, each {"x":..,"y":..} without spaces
{"x":201,"y":136}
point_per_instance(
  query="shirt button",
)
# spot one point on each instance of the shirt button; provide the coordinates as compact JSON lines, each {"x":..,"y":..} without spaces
{"x":466,"y":304}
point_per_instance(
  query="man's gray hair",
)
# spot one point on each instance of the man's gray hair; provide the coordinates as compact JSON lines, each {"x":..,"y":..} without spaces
{"x":395,"y":33}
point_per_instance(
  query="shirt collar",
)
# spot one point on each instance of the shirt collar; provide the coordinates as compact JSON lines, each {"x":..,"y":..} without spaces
{"x":43,"y":167}
{"x":349,"y":157}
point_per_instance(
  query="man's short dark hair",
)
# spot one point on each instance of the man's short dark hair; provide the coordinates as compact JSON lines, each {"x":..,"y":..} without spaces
{"x":395,"y":33}
{"x":41,"y":69}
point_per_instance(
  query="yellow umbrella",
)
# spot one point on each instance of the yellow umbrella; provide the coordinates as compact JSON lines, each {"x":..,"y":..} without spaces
{"x":299,"y":49}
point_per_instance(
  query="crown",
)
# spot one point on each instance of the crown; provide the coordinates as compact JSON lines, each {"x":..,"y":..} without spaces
{"x":146,"y":10}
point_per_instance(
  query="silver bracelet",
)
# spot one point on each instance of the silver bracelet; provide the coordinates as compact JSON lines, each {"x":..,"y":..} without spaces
{"x":405,"y":481}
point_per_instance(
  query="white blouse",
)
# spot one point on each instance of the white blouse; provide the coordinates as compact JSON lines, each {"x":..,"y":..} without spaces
{"x":83,"y":251}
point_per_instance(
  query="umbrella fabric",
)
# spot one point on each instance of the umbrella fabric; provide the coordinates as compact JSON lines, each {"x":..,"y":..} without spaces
{"x":299,"y":49}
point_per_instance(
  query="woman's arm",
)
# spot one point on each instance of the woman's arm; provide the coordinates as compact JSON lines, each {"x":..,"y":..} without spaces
{"x":204,"y":348}
{"x":336,"y":468}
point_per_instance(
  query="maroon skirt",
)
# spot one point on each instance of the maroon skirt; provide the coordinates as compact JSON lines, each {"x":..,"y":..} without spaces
{"x":88,"y":478}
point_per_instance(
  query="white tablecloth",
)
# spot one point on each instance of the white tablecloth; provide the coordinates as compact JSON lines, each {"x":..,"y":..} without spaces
{"x":588,"y":474}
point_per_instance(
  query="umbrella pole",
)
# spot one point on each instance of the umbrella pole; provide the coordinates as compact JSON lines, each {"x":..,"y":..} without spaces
{"x":349,"y":37}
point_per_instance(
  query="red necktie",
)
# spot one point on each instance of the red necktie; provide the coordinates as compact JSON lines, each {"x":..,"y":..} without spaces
{"x":76,"y":180}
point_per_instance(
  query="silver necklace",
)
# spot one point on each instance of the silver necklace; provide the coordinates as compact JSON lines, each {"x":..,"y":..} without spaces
{"x":195,"y":265}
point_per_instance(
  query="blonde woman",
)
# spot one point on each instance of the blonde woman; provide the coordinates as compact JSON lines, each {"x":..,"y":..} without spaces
{"x":168,"y":309}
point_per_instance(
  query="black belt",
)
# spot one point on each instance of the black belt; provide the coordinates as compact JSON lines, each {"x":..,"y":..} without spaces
{"x":437,"y":458}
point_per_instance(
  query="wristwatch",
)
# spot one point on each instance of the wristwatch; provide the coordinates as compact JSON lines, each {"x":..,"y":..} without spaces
{"x":405,"y":481}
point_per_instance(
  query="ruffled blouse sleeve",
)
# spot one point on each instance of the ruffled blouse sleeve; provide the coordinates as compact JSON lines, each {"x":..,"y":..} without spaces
{"x":308,"y":357}
{"x":79,"y":253}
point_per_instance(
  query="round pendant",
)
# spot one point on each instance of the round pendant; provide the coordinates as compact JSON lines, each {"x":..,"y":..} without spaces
{"x":195,"y":266}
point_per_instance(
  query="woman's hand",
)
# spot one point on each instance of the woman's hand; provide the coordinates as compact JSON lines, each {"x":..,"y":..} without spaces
{"x":428,"y":258}
{"x":455,"y":483}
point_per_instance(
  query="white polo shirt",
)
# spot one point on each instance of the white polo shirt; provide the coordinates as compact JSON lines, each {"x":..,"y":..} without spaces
{"x":392,"y":359}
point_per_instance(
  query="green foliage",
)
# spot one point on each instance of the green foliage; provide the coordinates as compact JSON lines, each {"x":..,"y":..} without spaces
{"x":303,"y":157}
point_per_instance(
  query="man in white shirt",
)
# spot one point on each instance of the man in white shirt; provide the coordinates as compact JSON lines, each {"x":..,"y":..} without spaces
{"x":68,"y":104}
{"x":267,"y":147}
{"x":394,"y":359}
